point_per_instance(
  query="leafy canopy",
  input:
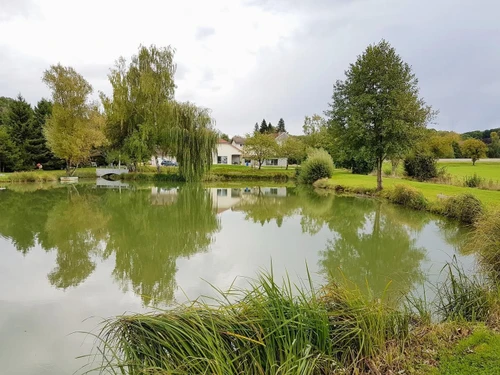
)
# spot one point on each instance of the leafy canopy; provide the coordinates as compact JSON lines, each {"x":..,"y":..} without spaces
{"x":76,"y":126}
{"x":474,"y":149}
{"x":260,"y":147}
{"x":143,"y":118}
{"x":376,"y":111}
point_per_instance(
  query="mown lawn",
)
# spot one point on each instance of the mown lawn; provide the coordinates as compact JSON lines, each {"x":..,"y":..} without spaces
{"x":430,"y":190}
{"x":484,"y":169}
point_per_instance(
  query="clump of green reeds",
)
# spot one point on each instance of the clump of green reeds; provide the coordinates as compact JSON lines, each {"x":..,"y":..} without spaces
{"x":485,"y":240}
{"x":408,"y":196}
{"x":463,"y":297}
{"x":271,"y":329}
{"x":464,"y":207}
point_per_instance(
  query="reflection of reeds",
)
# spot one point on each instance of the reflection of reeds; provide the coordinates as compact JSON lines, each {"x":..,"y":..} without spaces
{"x":272,"y":329}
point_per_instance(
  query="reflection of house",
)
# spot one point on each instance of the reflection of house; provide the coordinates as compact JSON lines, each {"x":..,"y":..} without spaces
{"x":163,"y":196}
{"x":225,"y":198}
{"x":228,"y":198}
{"x":227,"y":153}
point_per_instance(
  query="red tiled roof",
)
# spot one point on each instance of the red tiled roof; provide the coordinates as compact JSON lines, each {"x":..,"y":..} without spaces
{"x":222,"y":140}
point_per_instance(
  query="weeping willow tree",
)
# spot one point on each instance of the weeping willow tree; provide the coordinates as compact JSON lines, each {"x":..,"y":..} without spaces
{"x":191,"y":138}
{"x":145,"y":120}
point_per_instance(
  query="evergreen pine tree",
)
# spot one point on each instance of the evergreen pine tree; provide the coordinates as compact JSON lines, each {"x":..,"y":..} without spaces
{"x":36,"y":145}
{"x":8,"y":152}
{"x":19,"y":121}
{"x":270,"y":128}
{"x":256,"y":128}
{"x":263,"y":127}
{"x":281,"y":126}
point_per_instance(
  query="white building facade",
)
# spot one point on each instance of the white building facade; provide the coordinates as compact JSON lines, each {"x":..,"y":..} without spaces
{"x":227,"y":154}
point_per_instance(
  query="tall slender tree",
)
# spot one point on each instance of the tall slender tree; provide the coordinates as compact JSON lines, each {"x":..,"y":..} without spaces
{"x":263,"y":127}
{"x":76,"y":126}
{"x":36,"y":146}
{"x":270,"y":128}
{"x":281,"y":126}
{"x":256,"y":128}
{"x":19,"y":121}
{"x":377,"y":110}
{"x":8,"y":151}
{"x":144,"y":120}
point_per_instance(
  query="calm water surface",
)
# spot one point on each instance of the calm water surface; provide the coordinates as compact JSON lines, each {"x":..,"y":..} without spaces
{"x":69,"y":253}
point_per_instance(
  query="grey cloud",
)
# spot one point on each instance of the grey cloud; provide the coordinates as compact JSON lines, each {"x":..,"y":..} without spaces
{"x":204,"y":32}
{"x":22,"y":74}
{"x":452,"y":50}
{"x":14,"y":8}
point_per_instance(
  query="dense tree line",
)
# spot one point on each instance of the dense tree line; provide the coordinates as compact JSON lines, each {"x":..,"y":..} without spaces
{"x":268,"y":128}
{"x":23,"y":144}
{"x":139,"y":119}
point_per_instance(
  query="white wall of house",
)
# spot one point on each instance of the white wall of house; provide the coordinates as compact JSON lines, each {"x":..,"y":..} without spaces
{"x":238,"y":145}
{"x":227,"y":154}
{"x":277,"y":162}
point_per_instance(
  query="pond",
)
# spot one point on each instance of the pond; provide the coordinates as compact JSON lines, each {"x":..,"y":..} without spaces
{"x":70,"y":253}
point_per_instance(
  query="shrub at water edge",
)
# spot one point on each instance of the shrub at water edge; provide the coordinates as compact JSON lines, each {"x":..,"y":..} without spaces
{"x":464,"y":207}
{"x":408,"y":196}
{"x":318,"y":165}
{"x":485,"y":240}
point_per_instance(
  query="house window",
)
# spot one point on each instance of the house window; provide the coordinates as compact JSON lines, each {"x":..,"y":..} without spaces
{"x":221,"y":159}
{"x":222,"y":192}
{"x":273,"y":191}
{"x":272,"y":162}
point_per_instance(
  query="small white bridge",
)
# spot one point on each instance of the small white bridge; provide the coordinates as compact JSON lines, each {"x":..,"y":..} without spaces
{"x":101,"y":172}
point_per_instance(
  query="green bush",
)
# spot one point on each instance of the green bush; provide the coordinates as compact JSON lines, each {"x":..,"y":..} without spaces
{"x":408,"y":196}
{"x":421,"y":166}
{"x":464,"y":207}
{"x":318,"y":165}
{"x":473,"y":181}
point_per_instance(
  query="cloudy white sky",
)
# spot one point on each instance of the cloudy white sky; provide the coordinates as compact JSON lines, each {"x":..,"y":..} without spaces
{"x":254,"y":59}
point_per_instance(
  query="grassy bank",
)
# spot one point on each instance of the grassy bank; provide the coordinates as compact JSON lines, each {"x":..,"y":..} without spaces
{"x":45,"y":176}
{"x":281,"y":329}
{"x":431,"y":191}
{"x":217,"y":173}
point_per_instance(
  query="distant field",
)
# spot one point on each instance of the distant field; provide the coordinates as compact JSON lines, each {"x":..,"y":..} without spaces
{"x":487,"y":169}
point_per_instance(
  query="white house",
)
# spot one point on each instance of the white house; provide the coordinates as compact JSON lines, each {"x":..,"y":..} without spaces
{"x":280,"y":138}
{"x":227,"y":153}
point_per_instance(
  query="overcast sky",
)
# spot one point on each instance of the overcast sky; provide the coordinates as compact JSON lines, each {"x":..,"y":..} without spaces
{"x":254,"y":59}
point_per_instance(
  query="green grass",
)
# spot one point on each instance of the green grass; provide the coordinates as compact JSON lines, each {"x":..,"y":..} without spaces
{"x":45,"y":176}
{"x":216,"y":173}
{"x":484,"y":169}
{"x":431,"y":191}
{"x":478,"y":354}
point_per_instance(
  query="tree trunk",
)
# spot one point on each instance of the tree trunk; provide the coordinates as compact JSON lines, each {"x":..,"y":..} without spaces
{"x":473,"y":162}
{"x":379,"y":174}
{"x":260,"y":163}
{"x":286,"y":164}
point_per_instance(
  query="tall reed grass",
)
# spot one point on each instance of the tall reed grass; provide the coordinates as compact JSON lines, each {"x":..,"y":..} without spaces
{"x":273,"y":328}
